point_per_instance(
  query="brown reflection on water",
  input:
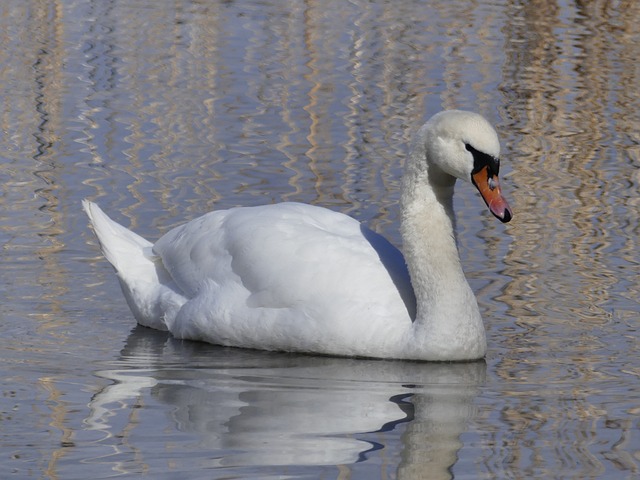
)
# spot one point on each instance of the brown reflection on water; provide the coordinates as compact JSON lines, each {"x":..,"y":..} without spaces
{"x":32,"y":191}
{"x":35,"y":194}
{"x":569,"y":67}
{"x":575,"y":161}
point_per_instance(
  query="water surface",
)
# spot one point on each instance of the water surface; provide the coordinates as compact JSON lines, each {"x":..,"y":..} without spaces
{"x":161,"y":111}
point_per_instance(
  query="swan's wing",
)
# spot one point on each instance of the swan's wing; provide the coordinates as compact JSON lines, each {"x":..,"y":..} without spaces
{"x":284,"y":256}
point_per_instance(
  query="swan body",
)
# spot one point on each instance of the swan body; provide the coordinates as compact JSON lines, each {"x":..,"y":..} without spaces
{"x":297,"y":277}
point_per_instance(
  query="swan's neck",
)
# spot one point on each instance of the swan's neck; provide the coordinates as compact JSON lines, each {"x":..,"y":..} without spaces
{"x":448,"y":322}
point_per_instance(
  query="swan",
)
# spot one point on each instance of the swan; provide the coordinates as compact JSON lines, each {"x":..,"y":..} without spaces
{"x":297,"y":277}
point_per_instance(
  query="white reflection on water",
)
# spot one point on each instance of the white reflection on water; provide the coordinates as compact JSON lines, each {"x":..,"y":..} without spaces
{"x":259,"y":409}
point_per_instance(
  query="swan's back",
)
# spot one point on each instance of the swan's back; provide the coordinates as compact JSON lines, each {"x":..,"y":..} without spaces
{"x":301,"y":274}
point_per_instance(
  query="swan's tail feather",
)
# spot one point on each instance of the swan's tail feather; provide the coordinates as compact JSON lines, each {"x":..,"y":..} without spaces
{"x":151,"y":294}
{"x":119,"y":245}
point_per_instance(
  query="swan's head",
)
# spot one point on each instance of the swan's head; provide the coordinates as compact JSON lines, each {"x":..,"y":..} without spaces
{"x":465,"y":145}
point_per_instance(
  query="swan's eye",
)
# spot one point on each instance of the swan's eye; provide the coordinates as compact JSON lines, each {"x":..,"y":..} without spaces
{"x":481,"y":160}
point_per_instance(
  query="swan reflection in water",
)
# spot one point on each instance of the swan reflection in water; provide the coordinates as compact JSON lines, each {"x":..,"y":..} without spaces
{"x":253,"y":408}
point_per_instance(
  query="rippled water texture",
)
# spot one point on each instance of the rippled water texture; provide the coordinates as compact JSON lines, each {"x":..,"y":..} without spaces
{"x":161,"y":111}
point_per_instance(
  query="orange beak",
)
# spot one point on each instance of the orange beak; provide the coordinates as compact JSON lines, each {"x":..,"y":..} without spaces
{"x":489,"y":188}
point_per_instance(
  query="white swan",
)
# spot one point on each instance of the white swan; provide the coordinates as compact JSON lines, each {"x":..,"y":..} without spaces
{"x":297,"y":277}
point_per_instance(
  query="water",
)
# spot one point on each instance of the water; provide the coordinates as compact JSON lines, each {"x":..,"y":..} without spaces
{"x":161,"y":111}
